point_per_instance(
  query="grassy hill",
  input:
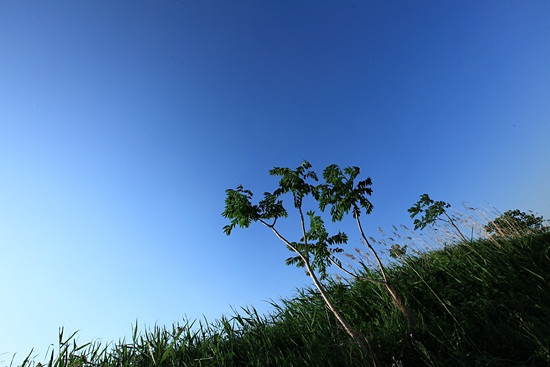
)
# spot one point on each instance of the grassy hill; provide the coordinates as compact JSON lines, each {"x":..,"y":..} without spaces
{"x":482,"y":303}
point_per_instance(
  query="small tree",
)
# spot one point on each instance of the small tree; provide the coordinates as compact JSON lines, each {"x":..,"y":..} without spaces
{"x":316,"y":248}
{"x":342,"y":195}
{"x":432,"y":211}
{"x":514,"y":223}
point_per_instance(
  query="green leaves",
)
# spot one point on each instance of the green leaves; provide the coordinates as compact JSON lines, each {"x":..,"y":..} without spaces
{"x":338,"y":191}
{"x":239,"y":209}
{"x":322,"y":246}
{"x":270,"y":207}
{"x":341,"y":195}
{"x":431,"y":210}
{"x":294,"y":181}
{"x":241,"y":212}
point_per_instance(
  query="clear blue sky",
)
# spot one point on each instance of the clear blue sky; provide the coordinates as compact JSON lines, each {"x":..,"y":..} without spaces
{"x":123,"y":123}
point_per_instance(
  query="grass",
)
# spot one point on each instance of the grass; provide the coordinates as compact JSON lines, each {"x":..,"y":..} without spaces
{"x":484,"y":302}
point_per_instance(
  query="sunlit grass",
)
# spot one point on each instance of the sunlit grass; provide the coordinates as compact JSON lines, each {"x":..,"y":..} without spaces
{"x":485,"y":302}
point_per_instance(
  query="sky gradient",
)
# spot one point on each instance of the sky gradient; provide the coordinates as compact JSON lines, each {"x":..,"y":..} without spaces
{"x":123,"y":123}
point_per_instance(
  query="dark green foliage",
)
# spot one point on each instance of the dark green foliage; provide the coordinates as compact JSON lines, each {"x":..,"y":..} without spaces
{"x":241,"y":212}
{"x":295,"y":182}
{"x":480,"y":298}
{"x":316,"y":246}
{"x":431,"y":210}
{"x":340,"y":193}
{"x":513,"y":222}
{"x":321,"y":245}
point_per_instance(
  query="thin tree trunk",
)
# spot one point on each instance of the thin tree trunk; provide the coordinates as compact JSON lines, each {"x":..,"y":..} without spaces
{"x":355,"y":336}
{"x":389,"y":287}
{"x":347,"y":327}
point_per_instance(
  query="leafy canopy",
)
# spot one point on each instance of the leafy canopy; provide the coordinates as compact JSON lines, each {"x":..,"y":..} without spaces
{"x":340,"y":193}
{"x":431,"y":211}
{"x":316,"y":246}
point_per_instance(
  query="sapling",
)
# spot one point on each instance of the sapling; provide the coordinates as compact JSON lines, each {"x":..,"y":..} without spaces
{"x":342,"y":195}
{"x":316,"y":248}
{"x":433,"y":211}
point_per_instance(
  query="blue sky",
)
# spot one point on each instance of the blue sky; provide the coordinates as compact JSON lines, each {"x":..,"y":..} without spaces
{"x":123,"y":123}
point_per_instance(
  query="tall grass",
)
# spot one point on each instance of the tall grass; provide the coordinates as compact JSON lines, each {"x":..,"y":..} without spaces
{"x":484,"y":302}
